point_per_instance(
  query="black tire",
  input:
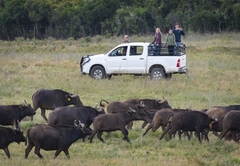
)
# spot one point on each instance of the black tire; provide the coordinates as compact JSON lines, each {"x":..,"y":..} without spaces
{"x":157,"y":74}
{"x":98,"y":73}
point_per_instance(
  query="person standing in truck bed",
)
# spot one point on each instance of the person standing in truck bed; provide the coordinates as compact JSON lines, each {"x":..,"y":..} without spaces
{"x":157,"y":41}
{"x":125,"y":39}
{"x":178,"y":32}
{"x":170,"y":41}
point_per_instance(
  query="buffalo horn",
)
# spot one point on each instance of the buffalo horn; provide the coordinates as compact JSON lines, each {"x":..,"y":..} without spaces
{"x":73,"y":96}
{"x":162,"y":101}
{"x":142,"y":104}
{"x":25,"y":103}
{"x":19,"y":126}
{"x":132,"y":109}
{"x":81,"y":124}
{"x":96,"y":105}
{"x":75,"y":123}
{"x":14,"y":124}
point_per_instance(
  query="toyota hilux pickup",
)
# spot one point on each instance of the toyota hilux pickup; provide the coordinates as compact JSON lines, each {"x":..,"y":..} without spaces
{"x":137,"y":58}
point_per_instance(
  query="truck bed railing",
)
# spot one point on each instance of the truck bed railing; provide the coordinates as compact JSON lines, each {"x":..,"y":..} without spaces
{"x":166,"y":50}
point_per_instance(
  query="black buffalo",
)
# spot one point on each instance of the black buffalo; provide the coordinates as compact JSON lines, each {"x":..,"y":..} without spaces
{"x":113,"y":122}
{"x":51,"y":99}
{"x":66,"y":115}
{"x":12,"y":113}
{"x":189,"y":121}
{"x":8,"y":136}
{"x":58,"y":138}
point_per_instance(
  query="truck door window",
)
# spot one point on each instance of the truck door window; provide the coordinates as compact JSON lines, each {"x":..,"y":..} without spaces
{"x":120,"y":51}
{"x":136,"y":50}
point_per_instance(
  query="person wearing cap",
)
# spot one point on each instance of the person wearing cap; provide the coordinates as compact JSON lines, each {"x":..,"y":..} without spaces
{"x":178,"y":32}
{"x":125,"y":40}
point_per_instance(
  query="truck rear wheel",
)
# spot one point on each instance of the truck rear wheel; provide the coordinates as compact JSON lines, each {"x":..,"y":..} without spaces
{"x":98,"y":72}
{"x":157,"y":73}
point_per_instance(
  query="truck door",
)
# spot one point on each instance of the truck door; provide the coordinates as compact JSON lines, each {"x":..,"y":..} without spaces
{"x":117,"y":60}
{"x":136,"y":60}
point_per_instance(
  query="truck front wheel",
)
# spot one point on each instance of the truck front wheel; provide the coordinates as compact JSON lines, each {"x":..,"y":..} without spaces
{"x":157,"y":73}
{"x":98,"y":72}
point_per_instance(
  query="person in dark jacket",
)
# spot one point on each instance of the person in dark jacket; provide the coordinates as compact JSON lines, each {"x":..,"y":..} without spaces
{"x":178,"y":32}
{"x":157,"y":41}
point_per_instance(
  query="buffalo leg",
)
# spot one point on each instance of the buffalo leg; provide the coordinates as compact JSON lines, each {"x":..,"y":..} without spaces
{"x":144,"y":124}
{"x":224,"y":132}
{"x":188,"y":135}
{"x":198,"y":135}
{"x":43,"y":114}
{"x":215,"y":133}
{"x":28,"y":149}
{"x":37,"y":151}
{"x":57,"y":153}
{"x":93,"y":134}
{"x":99,"y":135}
{"x":180,"y":132}
{"x":165,"y":131}
{"x":234,"y":136}
{"x":205,"y":134}
{"x":125,"y":133}
{"x":67,"y":153}
{"x":171,"y":132}
{"x":7,"y":152}
{"x":149,"y":127}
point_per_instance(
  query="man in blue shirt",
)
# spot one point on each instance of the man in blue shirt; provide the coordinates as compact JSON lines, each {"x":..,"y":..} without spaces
{"x":178,"y":32}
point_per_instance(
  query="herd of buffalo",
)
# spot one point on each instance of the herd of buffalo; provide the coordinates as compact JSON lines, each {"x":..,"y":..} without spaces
{"x":66,"y":124}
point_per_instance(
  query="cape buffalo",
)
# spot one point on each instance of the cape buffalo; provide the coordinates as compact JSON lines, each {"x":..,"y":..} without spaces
{"x":12,"y":113}
{"x":8,"y":136}
{"x":51,"y":99}
{"x":58,"y":138}
{"x":113,"y":122}
{"x":188,"y":121}
{"x":231,"y":124}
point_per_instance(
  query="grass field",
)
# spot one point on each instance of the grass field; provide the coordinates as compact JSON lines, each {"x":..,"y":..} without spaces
{"x":213,"y":79}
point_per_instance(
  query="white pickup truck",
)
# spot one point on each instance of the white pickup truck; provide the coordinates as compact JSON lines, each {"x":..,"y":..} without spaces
{"x":137,"y":58}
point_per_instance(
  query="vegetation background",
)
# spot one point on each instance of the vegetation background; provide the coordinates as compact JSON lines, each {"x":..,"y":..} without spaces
{"x":63,"y":19}
{"x":213,"y":79}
